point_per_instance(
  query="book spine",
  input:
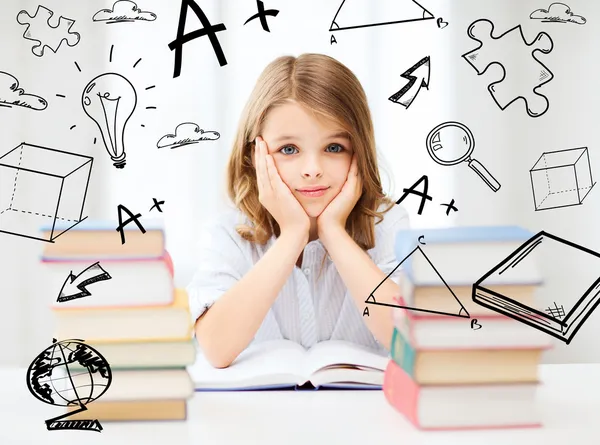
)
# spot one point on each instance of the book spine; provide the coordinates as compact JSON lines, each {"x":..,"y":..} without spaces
{"x":401,"y":392}
{"x":403,"y":353}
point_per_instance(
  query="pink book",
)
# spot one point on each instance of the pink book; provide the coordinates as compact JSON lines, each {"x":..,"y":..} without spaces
{"x":459,"y":407}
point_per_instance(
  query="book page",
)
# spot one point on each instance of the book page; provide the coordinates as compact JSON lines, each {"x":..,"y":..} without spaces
{"x":338,"y":353}
{"x":273,"y":362}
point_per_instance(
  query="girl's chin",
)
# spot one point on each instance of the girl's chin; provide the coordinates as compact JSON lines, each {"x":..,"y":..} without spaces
{"x":314,"y":211}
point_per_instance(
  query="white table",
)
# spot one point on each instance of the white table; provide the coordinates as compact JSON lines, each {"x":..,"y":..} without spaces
{"x":569,"y":401}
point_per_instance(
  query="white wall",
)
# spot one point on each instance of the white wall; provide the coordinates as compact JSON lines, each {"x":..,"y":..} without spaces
{"x":190,"y":178}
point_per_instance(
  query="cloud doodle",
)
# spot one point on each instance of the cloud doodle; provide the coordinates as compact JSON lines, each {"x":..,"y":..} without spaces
{"x":557,"y":13}
{"x":12,"y":95}
{"x":186,"y":134}
{"x":123,"y":11}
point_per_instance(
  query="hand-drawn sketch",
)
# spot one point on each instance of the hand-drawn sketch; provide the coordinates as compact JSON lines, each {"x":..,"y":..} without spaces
{"x":262,"y":14}
{"x":475,"y":325}
{"x":207,"y":30}
{"x":185,"y":134}
{"x":389,"y":12}
{"x":450,"y":206}
{"x":412,"y":190}
{"x":132,"y":218}
{"x":441,"y":23}
{"x":51,"y":380}
{"x":40,"y":30}
{"x":42,"y":187}
{"x":501,"y":50}
{"x":123,"y":11}
{"x":418,"y":77}
{"x":451,"y":143}
{"x":110,"y":100}
{"x":157,"y":205}
{"x":561,"y":178}
{"x":11,"y":95}
{"x":461,"y":311}
{"x":557,"y":13}
{"x":574,"y":275}
{"x":75,"y":285}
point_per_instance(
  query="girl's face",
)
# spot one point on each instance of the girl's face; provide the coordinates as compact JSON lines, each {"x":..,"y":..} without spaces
{"x":308,"y":152}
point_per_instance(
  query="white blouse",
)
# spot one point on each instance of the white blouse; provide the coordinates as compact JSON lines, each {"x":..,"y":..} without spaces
{"x":307,"y":310}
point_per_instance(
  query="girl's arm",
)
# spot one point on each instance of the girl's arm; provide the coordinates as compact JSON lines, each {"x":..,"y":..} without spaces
{"x":231,"y":323}
{"x":361,"y":275}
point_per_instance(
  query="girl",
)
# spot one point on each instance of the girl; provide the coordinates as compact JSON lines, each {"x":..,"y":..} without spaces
{"x":304,"y":179}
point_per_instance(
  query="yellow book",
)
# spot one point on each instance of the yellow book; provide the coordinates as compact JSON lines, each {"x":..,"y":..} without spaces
{"x":132,"y":410}
{"x":127,"y":324}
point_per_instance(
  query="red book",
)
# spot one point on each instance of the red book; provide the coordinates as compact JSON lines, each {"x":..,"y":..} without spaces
{"x":450,"y":407}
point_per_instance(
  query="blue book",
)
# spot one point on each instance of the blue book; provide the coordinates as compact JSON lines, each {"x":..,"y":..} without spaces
{"x":460,"y":255}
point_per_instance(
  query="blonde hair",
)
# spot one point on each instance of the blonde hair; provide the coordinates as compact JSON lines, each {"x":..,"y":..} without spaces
{"x":327,"y":87}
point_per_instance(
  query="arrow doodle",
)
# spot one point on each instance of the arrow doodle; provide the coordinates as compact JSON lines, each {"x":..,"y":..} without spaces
{"x":75,"y":285}
{"x":417,"y":76}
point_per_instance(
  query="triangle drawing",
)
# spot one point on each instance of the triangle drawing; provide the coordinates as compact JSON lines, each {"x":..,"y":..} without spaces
{"x":351,"y":13}
{"x":445,"y":290}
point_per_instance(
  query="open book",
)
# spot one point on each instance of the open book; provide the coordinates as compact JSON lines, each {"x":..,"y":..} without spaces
{"x":286,"y":364}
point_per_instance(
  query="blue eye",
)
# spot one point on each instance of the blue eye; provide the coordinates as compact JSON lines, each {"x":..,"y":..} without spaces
{"x":338,"y":146}
{"x":287,"y":146}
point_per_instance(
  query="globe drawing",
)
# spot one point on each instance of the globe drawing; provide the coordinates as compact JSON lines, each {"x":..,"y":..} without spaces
{"x":69,"y":373}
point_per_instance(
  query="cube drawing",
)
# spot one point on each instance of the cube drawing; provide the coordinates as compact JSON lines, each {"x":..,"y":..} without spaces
{"x":40,"y":186}
{"x":561,"y":178}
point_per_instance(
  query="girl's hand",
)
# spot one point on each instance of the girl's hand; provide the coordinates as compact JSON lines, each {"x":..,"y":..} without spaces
{"x":337,"y":211}
{"x":276,"y":196}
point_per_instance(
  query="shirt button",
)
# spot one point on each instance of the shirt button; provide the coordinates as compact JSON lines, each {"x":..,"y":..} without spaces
{"x":306,"y":271}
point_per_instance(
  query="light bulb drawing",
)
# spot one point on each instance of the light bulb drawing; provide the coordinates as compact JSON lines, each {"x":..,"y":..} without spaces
{"x":110,"y":100}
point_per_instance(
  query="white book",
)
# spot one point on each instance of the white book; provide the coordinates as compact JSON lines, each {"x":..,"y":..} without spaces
{"x":108,"y":283}
{"x":286,"y":364}
{"x":125,"y":384}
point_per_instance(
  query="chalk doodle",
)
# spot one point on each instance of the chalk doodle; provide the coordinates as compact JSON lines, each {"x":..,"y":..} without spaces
{"x":185,"y":134}
{"x":451,"y":143}
{"x":42,"y":187}
{"x":110,"y":100}
{"x":207,"y":30}
{"x":75,"y":285}
{"x":51,"y":379}
{"x":561,"y":178}
{"x":40,"y":30}
{"x":390,"y":12}
{"x":515,"y":56}
{"x":134,"y":218}
{"x":123,"y":11}
{"x":412,"y":190}
{"x":13,"y":96}
{"x":557,"y":13}
{"x":460,"y":310}
{"x":576,"y":278}
{"x":262,"y":15}
{"x":418,"y":77}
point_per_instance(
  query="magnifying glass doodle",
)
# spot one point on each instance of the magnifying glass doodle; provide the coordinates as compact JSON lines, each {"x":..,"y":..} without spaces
{"x":451,"y":143}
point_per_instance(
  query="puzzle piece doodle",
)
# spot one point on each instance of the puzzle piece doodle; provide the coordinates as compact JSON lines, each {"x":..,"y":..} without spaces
{"x":41,"y":31}
{"x":523,"y":74}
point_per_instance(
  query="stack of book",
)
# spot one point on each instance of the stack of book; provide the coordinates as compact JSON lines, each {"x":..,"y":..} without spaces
{"x":120,"y":299}
{"x":455,"y":363}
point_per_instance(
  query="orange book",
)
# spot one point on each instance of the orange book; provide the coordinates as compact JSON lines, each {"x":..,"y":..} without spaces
{"x":132,"y":410}
{"x":448,"y":407}
{"x":127,"y":324}
{"x":98,"y":240}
